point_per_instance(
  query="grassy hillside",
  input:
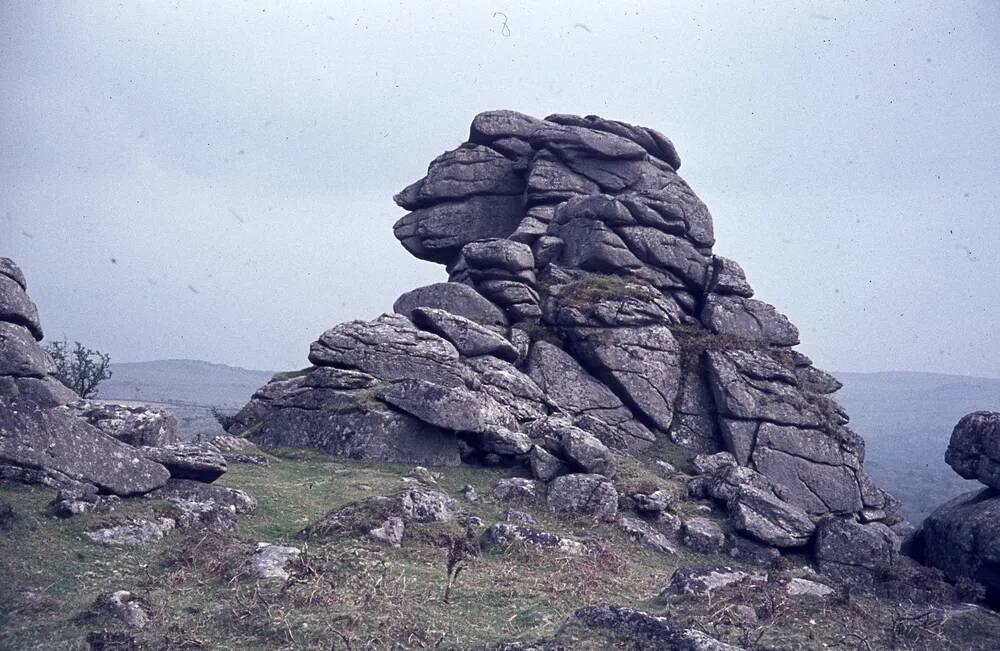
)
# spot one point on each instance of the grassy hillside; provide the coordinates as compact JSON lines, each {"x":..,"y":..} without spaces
{"x":356,"y":593}
{"x":906,"y":420}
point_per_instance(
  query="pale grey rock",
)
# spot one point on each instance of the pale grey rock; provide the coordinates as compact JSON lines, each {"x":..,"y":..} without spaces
{"x":390,"y":532}
{"x":136,"y":425}
{"x":438,"y":232}
{"x":587,"y":452}
{"x":645,"y":631}
{"x":390,"y":348}
{"x":517,"y":489}
{"x":545,"y":466}
{"x":596,"y":408}
{"x":647,"y":536}
{"x":504,"y":535}
{"x":270,"y":561}
{"x":654,"y":142}
{"x":312,"y":411}
{"x":727,"y":278}
{"x":641,"y":364}
{"x":450,"y":408}
{"x":962,"y":538}
{"x":583,"y":495}
{"x":124,"y":606}
{"x":711,"y":463}
{"x":10,"y":269}
{"x":797,"y":587}
{"x":702,"y":580}
{"x":134,"y":533}
{"x":703,"y":535}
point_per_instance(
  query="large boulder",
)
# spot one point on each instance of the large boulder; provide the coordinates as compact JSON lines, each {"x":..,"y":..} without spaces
{"x":962,"y":538}
{"x":57,"y":440}
{"x":974,"y":448}
{"x":854,"y":554}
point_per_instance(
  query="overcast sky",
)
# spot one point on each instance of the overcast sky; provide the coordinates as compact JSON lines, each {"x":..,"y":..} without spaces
{"x":214,"y":180}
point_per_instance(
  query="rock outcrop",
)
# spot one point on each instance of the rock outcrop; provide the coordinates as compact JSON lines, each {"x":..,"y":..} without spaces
{"x":585,"y":316}
{"x":89,"y":449}
{"x":962,"y":536}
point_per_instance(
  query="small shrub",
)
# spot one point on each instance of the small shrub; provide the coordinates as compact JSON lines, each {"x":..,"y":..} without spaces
{"x":81,"y":369}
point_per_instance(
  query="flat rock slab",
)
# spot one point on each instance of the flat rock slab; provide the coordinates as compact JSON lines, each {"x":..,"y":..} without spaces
{"x":198,"y":461}
{"x":55,"y":439}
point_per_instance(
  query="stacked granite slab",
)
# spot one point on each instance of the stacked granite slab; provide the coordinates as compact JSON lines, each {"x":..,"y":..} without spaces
{"x":583,"y":293}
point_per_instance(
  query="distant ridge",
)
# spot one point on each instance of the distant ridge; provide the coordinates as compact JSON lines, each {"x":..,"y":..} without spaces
{"x":906,"y":419}
{"x":190,"y":388}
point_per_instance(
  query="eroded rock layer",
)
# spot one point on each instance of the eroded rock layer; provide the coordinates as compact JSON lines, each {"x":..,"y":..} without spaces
{"x":583,"y":296}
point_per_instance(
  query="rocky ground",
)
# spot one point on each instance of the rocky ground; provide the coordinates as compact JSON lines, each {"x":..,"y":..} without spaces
{"x":627,"y":451}
{"x":351,"y":584}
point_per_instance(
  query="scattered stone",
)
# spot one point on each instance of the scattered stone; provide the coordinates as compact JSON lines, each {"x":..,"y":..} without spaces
{"x":645,"y":535}
{"x":83,"y":499}
{"x":703,"y":535}
{"x":702,"y":580}
{"x":423,"y":475}
{"x":664,"y":468}
{"x":271,"y":561}
{"x":205,"y":504}
{"x":418,"y":504}
{"x":805,"y":588}
{"x":518,"y":517}
{"x":124,"y":606}
{"x":504,"y":535}
{"x":517,"y":489}
{"x":645,"y":630}
{"x":583,"y":495}
{"x":133,"y":533}
{"x":470,"y":493}
{"x":390,"y":532}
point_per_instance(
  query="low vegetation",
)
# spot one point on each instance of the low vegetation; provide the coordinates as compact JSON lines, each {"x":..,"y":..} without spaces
{"x":437,"y":590}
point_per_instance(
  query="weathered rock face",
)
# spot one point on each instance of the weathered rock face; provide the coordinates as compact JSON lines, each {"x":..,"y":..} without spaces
{"x":962,"y":536}
{"x":974,"y":449}
{"x":57,"y":440}
{"x":135,"y":425}
{"x":582,"y":291}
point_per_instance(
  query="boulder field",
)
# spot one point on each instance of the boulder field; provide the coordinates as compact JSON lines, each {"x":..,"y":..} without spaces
{"x":585,"y":316}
